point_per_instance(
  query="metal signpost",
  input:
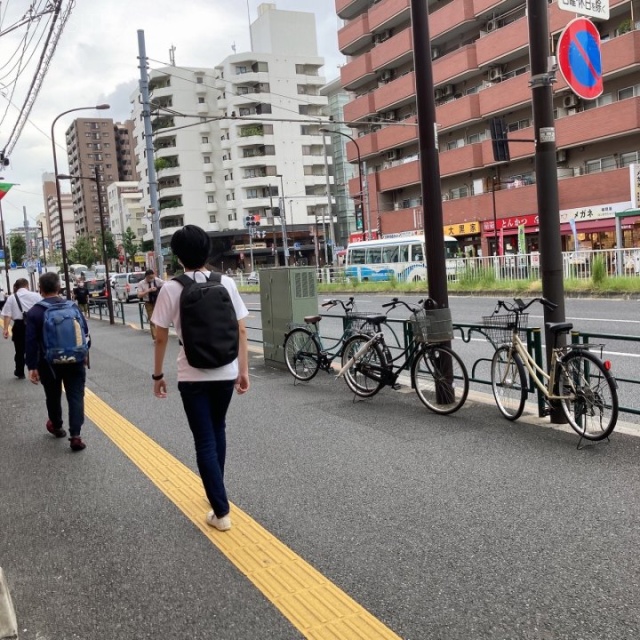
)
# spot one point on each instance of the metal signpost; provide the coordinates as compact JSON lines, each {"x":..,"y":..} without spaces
{"x":580,"y":58}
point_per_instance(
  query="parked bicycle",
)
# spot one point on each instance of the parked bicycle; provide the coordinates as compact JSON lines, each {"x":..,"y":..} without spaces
{"x":304,"y":351}
{"x":437,"y":372}
{"x":578,"y":379}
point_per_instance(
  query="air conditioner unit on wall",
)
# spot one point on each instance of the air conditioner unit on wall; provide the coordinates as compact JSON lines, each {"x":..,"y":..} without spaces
{"x":561,"y":155}
{"x":569,"y":101}
{"x":447,"y":90}
{"x":492,"y":25}
{"x":495,"y":74}
{"x":439,"y":94}
{"x":394,"y":154}
{"x":386,"y":75}
{"x":435,"y":53}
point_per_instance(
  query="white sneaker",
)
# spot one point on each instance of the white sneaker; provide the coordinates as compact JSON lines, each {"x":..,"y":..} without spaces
{"x":221,"y":524}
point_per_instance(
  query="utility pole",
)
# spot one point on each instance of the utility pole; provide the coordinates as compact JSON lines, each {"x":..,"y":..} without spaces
{"x":543,"y":68}
{"x":429,"y":160}
{"x":151,"y":169}
{"x":332,"y":233}
{"x":366,"y":206}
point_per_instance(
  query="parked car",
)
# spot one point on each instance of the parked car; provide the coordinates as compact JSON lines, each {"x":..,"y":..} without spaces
{"x":124,"y":286}
{"x":253,"y":278}
{"x":97,"y":287}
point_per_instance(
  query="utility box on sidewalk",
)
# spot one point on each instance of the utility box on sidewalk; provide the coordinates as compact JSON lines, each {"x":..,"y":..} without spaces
{"x":287,"y":295}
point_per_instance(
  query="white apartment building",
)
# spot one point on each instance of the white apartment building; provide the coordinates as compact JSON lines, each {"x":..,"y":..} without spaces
{"x":124,"y":202}
{"x":256,"y":135}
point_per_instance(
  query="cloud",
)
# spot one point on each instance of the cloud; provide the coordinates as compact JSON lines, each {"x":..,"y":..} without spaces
{"x":96,"y":61}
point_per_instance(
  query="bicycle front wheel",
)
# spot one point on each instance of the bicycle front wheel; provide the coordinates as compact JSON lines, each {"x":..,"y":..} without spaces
{"x":440,"y":379}
{"x":589,"y":396}
{"x":508,"y":382}
{"x":364,"y":376}
{"x":302,"y":354}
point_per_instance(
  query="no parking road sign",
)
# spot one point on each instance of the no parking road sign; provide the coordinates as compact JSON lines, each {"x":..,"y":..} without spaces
{"x":580,"y":58}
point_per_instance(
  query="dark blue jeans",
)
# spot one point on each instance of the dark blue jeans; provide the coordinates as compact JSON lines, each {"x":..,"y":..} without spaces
{"x":206,"y":404}
{"x":73,"y":377}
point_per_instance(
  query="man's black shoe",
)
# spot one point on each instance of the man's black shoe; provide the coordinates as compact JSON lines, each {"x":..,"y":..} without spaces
{"x":19,"y":375}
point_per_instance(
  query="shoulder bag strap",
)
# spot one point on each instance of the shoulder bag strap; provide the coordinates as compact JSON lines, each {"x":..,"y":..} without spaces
{"x":17,"y":297}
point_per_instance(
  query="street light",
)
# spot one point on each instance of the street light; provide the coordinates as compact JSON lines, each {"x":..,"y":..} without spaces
{"x":360,"y":178}
{"x":283,"y":221}
{"x":495,"y":181}
{"x":63,"y":244}
{"x":44,"y":248}
{"x":5,"y":247}
{"x":96,"y":179}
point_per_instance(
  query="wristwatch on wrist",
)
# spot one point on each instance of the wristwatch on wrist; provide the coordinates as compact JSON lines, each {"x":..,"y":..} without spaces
{"x":157,"y":377}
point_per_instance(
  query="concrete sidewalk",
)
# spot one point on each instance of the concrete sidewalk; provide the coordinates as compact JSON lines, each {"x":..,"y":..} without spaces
{"x":465,"y":526}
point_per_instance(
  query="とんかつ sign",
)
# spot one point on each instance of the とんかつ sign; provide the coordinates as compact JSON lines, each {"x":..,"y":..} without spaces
{"x":580,"y":58}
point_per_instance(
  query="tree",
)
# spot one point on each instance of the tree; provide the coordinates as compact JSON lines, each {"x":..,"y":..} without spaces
{"x":147,"y":245}
{"x":18,"y":249}
{"x":129,"y":245}
{"x":110,"y":245}
{"x":83,"y":251}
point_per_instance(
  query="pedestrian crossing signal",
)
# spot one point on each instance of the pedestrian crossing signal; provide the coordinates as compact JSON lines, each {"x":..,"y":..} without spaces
{"x":252,"y":221}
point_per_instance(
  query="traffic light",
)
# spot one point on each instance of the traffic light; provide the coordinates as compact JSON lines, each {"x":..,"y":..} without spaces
{"x":499,"y":140}
{"x":252,"y":221}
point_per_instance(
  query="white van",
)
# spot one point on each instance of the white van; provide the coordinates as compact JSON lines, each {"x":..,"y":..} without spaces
{"x":124,"y":286}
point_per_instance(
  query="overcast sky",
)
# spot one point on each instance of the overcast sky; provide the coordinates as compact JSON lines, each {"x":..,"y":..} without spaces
{"x":96,"y":62}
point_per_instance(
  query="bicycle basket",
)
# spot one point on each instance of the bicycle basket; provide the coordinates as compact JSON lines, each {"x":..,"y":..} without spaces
{"x":432,"y":325}
{"x":359,"y":320}
{"x":498,"y":327}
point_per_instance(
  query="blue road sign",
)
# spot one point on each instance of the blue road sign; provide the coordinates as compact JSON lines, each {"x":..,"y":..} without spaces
{"x":580,"y":58}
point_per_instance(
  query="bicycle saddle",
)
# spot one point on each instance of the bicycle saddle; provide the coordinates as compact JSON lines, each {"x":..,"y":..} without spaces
{"x":559,"y":327}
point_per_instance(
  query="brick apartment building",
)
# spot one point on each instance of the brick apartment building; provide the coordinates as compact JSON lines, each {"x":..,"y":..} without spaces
{"x":480,"y":58}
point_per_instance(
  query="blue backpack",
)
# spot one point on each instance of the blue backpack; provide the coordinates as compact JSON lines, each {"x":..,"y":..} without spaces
{"x":63,"y":333}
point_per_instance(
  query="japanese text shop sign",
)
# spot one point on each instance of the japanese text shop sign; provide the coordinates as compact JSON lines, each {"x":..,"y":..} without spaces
{"x":508,"y":224}
{"x":593,"y":8}
{"x":462,"y":229}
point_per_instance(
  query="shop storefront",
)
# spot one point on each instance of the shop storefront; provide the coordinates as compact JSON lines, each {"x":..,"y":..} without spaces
{"x":593,"y":228}
{"x":516,"y":234}
{"x":468,"y":236}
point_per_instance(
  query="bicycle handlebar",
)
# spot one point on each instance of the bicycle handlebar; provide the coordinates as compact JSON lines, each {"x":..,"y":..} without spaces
{"x":396,"y":302}
{"x":347,"y":306}
{"x":519,"y":306}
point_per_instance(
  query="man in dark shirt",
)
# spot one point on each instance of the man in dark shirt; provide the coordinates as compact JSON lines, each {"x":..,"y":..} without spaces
{"x":53,"y":376}
{"x":81,"y":296}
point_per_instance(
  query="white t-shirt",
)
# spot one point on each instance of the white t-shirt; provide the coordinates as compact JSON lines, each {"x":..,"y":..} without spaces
{"x":167,"y":311}
{"x":27,"y":300}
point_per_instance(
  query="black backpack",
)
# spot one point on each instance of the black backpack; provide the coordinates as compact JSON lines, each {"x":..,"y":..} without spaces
{"x":210,"y":333}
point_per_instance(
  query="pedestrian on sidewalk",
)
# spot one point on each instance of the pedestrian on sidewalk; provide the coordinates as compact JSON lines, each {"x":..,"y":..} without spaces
{"x":205,"y":391}
{"x":15,"y":310}
{"x":148,"y":290}
{"x":71,"y":374}
{"x":81,"y":296}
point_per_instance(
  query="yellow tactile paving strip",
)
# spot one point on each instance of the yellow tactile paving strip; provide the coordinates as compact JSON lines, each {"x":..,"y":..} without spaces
{"x":314,"y":605}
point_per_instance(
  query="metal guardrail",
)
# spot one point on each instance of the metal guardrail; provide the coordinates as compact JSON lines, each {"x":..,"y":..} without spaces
{"x":579,"y":337}
{"x":479,"y":370}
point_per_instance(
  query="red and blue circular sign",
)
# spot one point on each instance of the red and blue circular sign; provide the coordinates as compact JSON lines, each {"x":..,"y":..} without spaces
{"x":580,"y":58}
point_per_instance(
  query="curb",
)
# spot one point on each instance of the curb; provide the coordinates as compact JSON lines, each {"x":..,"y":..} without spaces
{"x":8,"y":622}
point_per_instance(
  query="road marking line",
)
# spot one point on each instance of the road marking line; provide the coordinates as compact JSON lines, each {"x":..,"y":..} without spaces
{"x":313,"y":604}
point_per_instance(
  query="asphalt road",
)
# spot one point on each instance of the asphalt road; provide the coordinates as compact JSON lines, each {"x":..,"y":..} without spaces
{"x":458,"y":527}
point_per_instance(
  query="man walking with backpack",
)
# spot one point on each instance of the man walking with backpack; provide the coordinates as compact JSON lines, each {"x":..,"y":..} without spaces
{"x":15,"y":309}
{"x":57,"y":350}
{"x":208,"y":315}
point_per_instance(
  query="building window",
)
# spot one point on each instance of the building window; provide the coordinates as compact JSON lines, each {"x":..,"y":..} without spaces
{"x":204,"y":140}
{"x":212,"y":219}
{"x":199,"y":80}
{"x":200,"y":100}
{"x":629,"y":158}
{"x":232,"y":216}
{"x":625,"y":93}
{"x":206,"y":159}
{"x":208,"y":179}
